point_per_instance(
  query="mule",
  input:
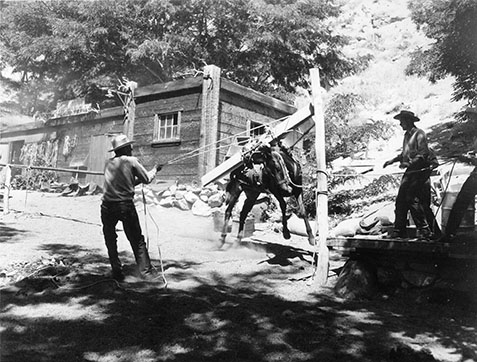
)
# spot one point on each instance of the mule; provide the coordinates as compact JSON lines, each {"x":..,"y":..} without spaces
{"x":281,"y":176}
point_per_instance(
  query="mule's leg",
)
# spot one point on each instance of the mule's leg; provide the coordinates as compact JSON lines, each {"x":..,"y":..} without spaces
{"x":283,"y":208}
{"x":309,"y":230}
{"x":232,"y":200}
{"x":252,"y":196}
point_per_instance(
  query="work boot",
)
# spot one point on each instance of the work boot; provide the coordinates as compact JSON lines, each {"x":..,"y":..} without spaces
{"x":444,"y":238}
{"x":150,"y":274}
{"x":117,"y":275}
{"x":423,"y":234}
{"x":396,"y":234}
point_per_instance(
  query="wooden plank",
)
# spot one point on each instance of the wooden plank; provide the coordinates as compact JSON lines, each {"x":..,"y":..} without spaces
{"x":321,"y":179}
{"x":413,"y":245}
{"x":223,"y":169}
{"x":456,"y":250}
{"x":295,"y":120}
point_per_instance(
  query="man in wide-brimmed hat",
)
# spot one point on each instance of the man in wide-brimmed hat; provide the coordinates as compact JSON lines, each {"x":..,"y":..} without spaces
{"x":416,"y":159}
{"x":121,"y":174}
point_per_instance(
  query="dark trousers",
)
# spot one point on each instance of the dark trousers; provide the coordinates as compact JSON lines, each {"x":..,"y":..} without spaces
{"x":409,"y":198}
{"x":124,"y":211}
{"x":462,"y":202}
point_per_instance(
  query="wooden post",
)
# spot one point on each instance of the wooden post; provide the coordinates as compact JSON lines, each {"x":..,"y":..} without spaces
{"x":209,"y":124}
{"x":129,"y":109}
{"x":6,"y":192}
{"x":322,"y":178}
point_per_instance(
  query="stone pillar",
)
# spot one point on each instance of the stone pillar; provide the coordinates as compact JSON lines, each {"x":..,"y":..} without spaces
{"x":209,"y":123}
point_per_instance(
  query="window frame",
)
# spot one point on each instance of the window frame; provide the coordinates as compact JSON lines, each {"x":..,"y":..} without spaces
{"x":254,"y":126}
{"x":158,"y":117}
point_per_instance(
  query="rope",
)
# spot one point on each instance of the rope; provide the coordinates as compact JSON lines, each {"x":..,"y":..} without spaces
{"x":205,"y":148}
{"x":147,"y":237}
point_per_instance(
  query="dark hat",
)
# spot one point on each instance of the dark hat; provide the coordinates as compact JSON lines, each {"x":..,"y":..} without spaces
{"x":407,"y":115}
{"x":120,"y":141}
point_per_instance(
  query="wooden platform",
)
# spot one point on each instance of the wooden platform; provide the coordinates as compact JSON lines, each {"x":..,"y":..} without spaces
{"x":464,"y":247}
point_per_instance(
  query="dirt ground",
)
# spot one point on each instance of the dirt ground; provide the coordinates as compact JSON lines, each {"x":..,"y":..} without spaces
{"x":256,"y":302}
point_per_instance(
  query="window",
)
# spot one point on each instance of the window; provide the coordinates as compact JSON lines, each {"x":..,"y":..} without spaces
{"x":256,"y":129}
{"x":167,"y":128}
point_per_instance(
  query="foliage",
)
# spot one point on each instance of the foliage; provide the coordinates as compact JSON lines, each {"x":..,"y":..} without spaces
{"x":64,"y":49}
{"x":453,"y":25}
{"x":345,"y":202}
{"x":346,"y":136}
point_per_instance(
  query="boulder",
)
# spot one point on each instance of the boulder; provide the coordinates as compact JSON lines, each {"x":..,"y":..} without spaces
{"x":191,"y":197}
{"x":357,"y":280}
{"x":167,"y":201}
{"x":181,"y":204}
{"x":216,"y":200}
{"x":201,"y":208}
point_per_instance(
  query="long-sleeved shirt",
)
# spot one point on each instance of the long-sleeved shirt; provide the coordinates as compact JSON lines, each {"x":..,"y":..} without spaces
{"x":121,"y":174}
{"x":415,"y":150}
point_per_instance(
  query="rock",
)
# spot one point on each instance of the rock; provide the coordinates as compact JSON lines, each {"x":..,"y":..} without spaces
{"x":205,"y":192}
{"x":357,"y":280}
{"x":216,"y":200}
{"x":418,"y":279}
{"x":403,"y":352}
{"x":191,"y":197}
{"x":388,"y":277}
{"x":179,"y":194}
{"x":201,"y":208}
{"x":167,"y":201}
{"x":181,"y":204}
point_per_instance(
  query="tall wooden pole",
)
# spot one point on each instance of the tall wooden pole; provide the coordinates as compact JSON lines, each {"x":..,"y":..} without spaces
{"x":322,"y":178}
{"x":6,"y":192}
{"x":209,"y":123}
{"x":129,"y":108}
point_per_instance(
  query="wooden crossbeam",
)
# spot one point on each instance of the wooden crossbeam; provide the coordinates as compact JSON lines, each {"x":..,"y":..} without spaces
{"x":289,"y":124}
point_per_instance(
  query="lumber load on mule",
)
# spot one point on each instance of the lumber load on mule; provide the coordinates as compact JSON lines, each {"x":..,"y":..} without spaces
{"x":298,"y":121}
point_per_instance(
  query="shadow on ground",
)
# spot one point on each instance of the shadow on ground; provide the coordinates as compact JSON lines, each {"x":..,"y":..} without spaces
{"x":91,"y":318}
{"x":7,"y":232}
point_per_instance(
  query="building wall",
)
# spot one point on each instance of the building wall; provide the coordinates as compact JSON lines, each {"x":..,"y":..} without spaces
{"x":235,"y":115}
{"x":83,"y":140}
{"x":75,"y":143}
{"x":150,"y":153}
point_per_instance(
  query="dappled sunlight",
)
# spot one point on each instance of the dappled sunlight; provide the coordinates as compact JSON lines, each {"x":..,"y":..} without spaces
{"x":74,"y":309}
{"x":219,"y":316}
{"x":123,"y":355}
{"x":361,"y":317}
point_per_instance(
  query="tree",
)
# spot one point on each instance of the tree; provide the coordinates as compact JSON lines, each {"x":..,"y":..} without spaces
{"x":453,"y":26}
{"x":65,"y":49}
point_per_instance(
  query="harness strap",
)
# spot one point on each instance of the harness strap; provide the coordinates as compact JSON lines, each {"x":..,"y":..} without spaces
{"x":286,"y":174}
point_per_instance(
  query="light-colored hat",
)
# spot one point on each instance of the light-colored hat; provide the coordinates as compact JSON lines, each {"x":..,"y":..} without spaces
{"x":407,"y":115}
{"x":120,"y":141}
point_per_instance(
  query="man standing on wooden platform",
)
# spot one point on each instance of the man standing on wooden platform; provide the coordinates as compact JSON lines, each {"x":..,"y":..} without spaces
{"x":415,"y":158}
